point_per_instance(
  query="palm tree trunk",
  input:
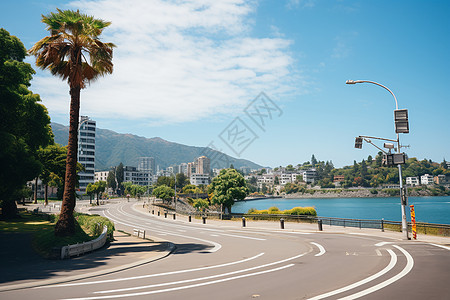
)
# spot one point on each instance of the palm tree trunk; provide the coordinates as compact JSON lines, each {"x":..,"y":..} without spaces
{"x":35,"y":189}
{"x":46,"y":194}
{"x":66,"y":223}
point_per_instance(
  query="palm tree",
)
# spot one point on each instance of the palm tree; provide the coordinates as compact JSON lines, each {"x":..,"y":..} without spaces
{"x":73,"y":38}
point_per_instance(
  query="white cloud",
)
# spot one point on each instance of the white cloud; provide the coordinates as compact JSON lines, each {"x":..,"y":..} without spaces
{"x":179,"y":61}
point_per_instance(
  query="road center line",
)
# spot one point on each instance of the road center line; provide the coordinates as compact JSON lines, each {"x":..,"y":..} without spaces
{"x":406,"y":270}
{"x":184,"y":287}
{"x":162,"y":274}
{"x":198,"y":279}
{"x":361,"y":282}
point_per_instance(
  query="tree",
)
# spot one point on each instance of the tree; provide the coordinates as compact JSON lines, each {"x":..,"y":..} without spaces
{"x":73,"y":38}
{"x":313,"y":160}
{"x":120,"y":177}
{"x":53,"y":159}
{"x":228,"y":187}
{"x":276,"y":181}
{"x":163,"y":192}
{"x":90,"y":190}
{"x":99,"y":188}
{"x":201,"y":204}
{"x":111,"y":180}
{"x":24,"y":124}
{"x":182,"y":181}
{"x":165,"y":180}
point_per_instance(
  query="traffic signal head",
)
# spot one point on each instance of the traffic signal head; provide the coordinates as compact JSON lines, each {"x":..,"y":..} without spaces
{"x":358,"y":142}
{"x":401,"y":121}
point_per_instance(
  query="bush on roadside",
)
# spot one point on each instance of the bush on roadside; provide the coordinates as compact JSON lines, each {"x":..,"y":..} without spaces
{"x":94,"y":224}
{"x":299,"y":211}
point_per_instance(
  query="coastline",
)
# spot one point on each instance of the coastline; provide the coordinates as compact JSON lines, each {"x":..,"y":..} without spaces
{"x":361,"y":193}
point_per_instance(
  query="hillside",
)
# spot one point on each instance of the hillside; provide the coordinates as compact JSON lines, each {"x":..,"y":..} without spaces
{"x":113,"y":148}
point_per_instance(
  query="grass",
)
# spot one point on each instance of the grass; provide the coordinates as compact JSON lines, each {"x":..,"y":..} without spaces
{"x":42,"y":228}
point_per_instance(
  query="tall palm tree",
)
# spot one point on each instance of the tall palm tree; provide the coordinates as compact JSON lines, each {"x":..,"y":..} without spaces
{"x":74,"y":37}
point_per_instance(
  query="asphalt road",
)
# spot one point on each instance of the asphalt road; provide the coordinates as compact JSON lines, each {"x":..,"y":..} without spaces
{"x":227,"y":261}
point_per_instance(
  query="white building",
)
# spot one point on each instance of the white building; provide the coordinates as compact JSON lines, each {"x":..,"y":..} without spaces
{"x":101,"y":176}
{"x":412,"y":181}
{"x":147,"y":164}
{"x":131,"y":174}
{"x":426,"y":179}
{"x":86,"y":152}
{"x":309,"y":176}
{"x":197,"y":179}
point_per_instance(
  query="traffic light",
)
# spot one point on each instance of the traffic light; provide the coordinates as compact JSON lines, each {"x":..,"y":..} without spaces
{"x":401,"y":121}
{"x":394,"y":159}
{"x":358,"y":142}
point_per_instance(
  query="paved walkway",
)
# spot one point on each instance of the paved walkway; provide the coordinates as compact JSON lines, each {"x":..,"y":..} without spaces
{"x":21,"y":267}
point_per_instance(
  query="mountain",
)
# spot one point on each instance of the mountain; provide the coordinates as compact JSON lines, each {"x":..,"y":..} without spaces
{"x":112,"y":148}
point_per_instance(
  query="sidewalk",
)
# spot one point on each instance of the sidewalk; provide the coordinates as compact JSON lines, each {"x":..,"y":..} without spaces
{"x":21,"y":267}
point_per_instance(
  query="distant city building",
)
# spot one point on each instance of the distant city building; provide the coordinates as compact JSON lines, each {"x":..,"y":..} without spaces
{"x":131,"y":174}
{"x":309,"y":176}
{"x":440,"y":179}
{"x":202,"y":165}
{"x":412,"y":181}
{"x":101,"y":176}
{"x":183,"y":168}
{"x":86,"y":152}
{"x":147,"y":164}
{"x":426,"y":179}
{"x":339,"y":178}
{"x":197,"y":179}
{"x":245,"y":170}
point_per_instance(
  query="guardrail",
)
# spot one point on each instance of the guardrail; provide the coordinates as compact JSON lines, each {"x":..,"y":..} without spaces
{"x":78,"y":249}
{"x":423,"y":228}
{"x":139,"y":233}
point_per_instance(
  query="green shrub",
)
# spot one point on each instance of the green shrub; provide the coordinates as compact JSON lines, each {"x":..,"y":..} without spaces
{"x":373,"y":191}
{"x":299,"y":211}
{"x":94,"y":224}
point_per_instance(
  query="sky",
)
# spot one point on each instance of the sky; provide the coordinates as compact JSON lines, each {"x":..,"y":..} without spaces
{"x":261,"y":80}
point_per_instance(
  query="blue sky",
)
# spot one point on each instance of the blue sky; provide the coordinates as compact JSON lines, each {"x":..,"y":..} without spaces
{"x":185,"y":71}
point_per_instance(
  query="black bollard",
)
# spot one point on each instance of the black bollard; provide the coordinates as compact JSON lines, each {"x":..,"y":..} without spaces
{"x":174,"y":216}
{"x":319,"y":222}
{"x":382,"y":225}
{"x":153,"y":211}
{"x":190,"y":218}
{"x":282,"y":223}
{"x":159,"y":213}
{"x":243,"y":221}
{"x":204,"y":219}
{"x":165,"y":215}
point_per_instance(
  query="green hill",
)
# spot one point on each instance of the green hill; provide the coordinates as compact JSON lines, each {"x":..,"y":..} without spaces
{"x":113,"y":148}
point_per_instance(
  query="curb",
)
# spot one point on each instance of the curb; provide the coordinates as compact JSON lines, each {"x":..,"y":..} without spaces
{"x":170,"y":247}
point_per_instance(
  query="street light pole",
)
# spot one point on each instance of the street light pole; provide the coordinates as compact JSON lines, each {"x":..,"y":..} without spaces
{"x":403,"y":199}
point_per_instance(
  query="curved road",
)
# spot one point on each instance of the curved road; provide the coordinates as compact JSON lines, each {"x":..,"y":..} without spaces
{"x":229,"y":262}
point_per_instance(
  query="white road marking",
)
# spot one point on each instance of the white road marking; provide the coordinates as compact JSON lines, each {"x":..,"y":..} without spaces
{"x":196,"y":279}
{"x":378,"y":252}
{"x":406,"y":270}
{"x":361,"y":282}
{"x":243,"y":237}
{"x":380,"y":244}
{"x":214,"y":235}
{"x":183,"y":287}
{"x":441,"y":246}
{"x":216,"y":247}
{"x":321,"y":249}
{"x":162,"y":274}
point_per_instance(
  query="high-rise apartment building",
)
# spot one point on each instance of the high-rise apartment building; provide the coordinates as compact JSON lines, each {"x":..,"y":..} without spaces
{"x":202,"y":165}
{"x":147,"y":164}
{"x":86,"y":152}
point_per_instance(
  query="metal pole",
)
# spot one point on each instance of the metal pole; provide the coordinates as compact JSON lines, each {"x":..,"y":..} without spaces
{"x":403,"y":198}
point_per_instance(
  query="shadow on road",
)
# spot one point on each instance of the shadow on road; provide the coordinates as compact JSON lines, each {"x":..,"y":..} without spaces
{"x":19,"y":262}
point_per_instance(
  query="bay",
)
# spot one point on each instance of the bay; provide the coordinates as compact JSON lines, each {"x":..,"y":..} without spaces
{"x":428,"y":209}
